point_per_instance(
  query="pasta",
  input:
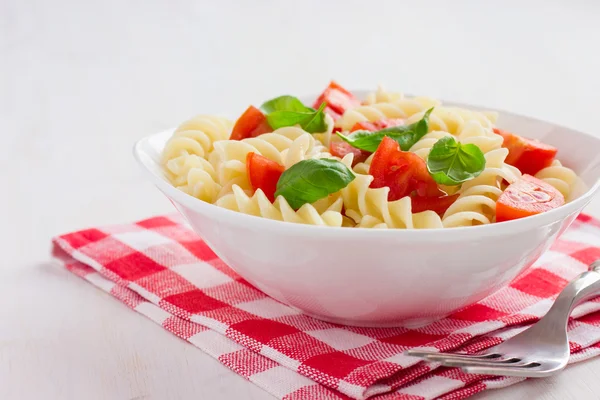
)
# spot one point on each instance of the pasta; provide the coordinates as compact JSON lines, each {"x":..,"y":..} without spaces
{"x":285,"y":146}
{"x":197,"y":136}
{"x":467,"y":180}
{"x":562,"y":178}
{"x":370,"y":208}
{"x":401,"y":108}
{"x":452,"y":119}
{"x":325,"y":137}
{"x":260,"y":206}
{"x":200,"y":178}
{"x":382,"y":96}
{"x":442,"y":118}
{"x":185,"y":152}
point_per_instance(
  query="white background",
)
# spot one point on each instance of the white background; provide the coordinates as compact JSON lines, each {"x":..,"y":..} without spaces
{"x":81,"y":81}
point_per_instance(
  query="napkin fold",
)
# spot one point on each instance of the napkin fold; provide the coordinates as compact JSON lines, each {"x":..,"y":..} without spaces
{"x":162,"y":269}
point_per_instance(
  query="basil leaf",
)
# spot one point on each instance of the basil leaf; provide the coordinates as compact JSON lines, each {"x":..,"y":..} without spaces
{"x":405,"y":135}
{"x":289,"y":111}
{"x":310,"y":180}
{"x":316,"y":123}
{"x":284,"y":103}
{"x":451,"y":163}
{"x":311,"y":121}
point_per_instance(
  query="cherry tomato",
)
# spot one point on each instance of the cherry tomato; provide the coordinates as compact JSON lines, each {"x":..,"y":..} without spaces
{"x":251,"y":124}
{"x":377,"y":125}
{"x":437,"y":204}
{"x":527,"y":196}
{"x":340,"y":149}
{"x":403,"y":172}
{"x":530,"y":156}
{"x":338,"y":100}
{"x":333,"y":114}
{"x":263,"y":174}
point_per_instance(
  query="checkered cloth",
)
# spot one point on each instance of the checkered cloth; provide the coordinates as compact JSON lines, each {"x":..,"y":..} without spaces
{"x":161,"y":269}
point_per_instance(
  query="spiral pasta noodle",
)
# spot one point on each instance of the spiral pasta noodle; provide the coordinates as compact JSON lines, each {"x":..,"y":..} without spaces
{"x":402,"y":108}
{"x":197,"y":177}
{"x":363,"y":167}
{"x":184,"y":156}
{"x":325,"y":137}
{"x":259,"y":205}
{"x":382,"y":96}
{"x":559,"y":176}
{"x":285,"y":146}
{"x":196,"y":136}
{"x":473,"y":132}
{"x":370,"y":208}
{"x":452,"y":119}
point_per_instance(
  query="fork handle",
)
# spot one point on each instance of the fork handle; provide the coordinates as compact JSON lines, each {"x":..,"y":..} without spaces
{"x":580,"y":289}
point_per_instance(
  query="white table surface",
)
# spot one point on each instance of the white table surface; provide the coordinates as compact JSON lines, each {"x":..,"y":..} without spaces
{"x":79,"y":83}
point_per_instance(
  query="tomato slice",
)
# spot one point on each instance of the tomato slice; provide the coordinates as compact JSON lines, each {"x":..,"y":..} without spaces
{"x":340,"y":149}
{"x":333,"y":114}
{"x":251,"y":124}
{"x":377,"y":125}
{"x":338,"y":100}
{"x":527,"y":196}
{"x":437,"y":204}
{"x":263,"y":174}
{"x":403,"y":172}
{"x":529,"y":155}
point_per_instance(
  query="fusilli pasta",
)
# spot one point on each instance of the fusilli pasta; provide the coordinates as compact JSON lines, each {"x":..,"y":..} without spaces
{"x":452,"y":119}
{"x":370,"y":208}
{"x":197,"y":136}
{"x":473,"y":132}
{"x":402,"y":108}
{"x":325,"y":137}
{"x":382,"y":96}
{"x":285,"y":146}
{"x":200,"y":178}
{"x":559,"y":176}
{"x":184,"y":156}
{"x":201,"y":160}
{"x":259,"y":205}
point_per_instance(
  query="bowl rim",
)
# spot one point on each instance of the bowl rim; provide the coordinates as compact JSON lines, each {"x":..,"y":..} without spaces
{"x":451,"y":234}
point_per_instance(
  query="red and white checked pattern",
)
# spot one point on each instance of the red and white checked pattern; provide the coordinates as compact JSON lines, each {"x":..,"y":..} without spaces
{"x":161,"y":269}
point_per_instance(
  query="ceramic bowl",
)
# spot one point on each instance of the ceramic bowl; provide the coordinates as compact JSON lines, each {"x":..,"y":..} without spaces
{"x":372,"y":277}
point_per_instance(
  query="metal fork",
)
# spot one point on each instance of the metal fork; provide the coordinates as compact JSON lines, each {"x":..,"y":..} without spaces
{"x":541,"y":350}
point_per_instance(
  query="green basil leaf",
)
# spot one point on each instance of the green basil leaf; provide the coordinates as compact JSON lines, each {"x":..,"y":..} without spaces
{"x":289,"y":111}
{"x":451,"y":163}
{"x":311,"y":121}
{"x":284,"y":103}
{"x":310,"y":180}
{"x":405,"y":135}
{"x":316,"y":122}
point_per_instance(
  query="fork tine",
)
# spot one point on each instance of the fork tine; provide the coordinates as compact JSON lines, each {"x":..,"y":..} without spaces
{"x":435,"y":356}
{"x":482,"y":363}
{"x":509,"y":370}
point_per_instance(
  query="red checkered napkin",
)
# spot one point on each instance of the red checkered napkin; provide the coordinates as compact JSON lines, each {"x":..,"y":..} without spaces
{"x":161,"y":269}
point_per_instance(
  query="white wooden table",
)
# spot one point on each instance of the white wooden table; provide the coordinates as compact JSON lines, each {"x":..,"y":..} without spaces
{"x":79,"y":83}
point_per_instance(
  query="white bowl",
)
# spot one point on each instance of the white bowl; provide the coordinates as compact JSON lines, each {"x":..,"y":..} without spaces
{"x":370,"y":277}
